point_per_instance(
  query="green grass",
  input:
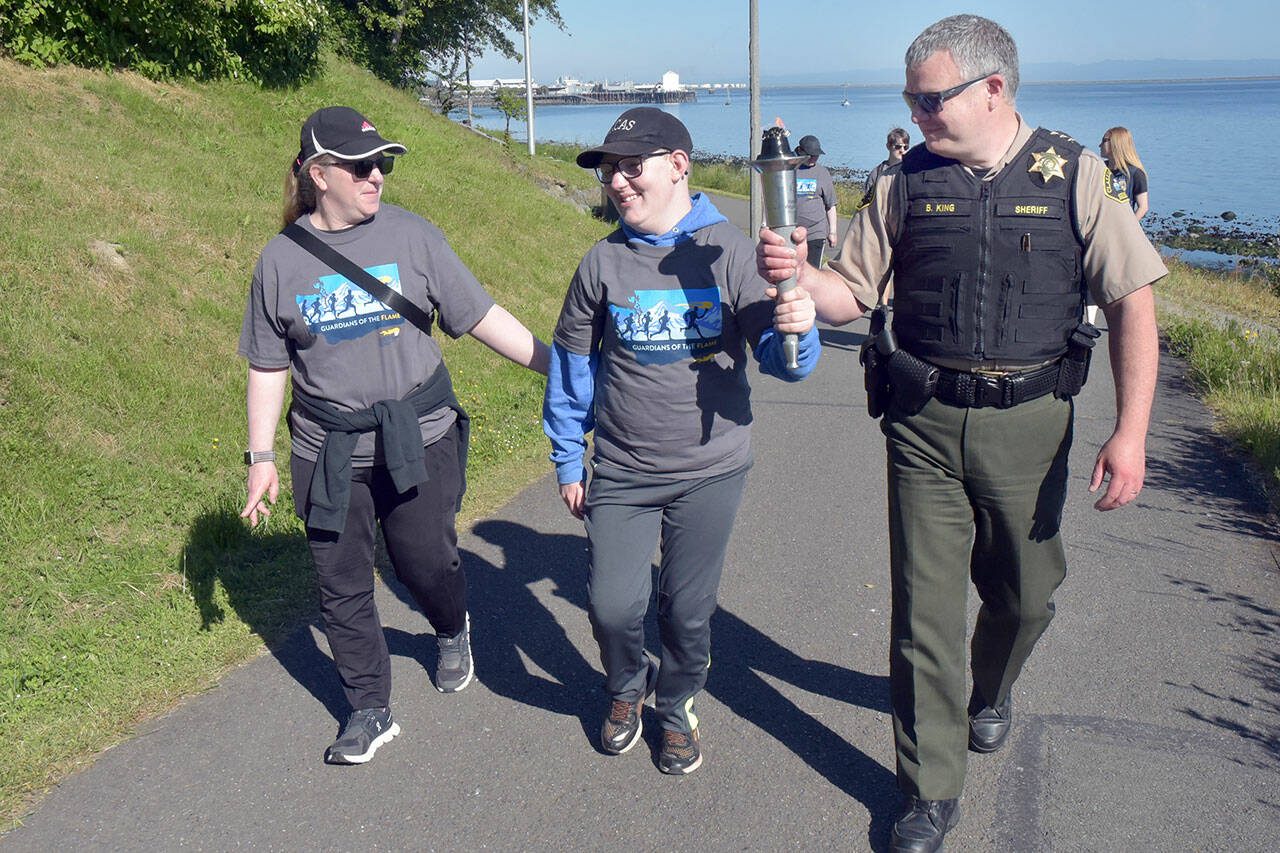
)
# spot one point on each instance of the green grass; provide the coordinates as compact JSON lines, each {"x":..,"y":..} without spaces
{"x":1224,"y":325}
{"x":1237,"y":368}
{"x":134,"y":212}
{"x":1254,"y":298}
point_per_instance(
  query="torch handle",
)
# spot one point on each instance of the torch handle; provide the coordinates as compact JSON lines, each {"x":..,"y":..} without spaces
{"x":790,"y":341}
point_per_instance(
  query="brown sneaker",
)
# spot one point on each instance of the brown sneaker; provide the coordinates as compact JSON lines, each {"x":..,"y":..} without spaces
{"x":680,"y":753}
{"x":621,"y":729}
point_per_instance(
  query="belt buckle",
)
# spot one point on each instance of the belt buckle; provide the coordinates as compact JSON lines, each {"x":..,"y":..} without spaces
{"x":988,"y":390}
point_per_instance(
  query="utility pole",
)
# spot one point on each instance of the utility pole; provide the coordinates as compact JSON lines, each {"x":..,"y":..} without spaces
{"x":753,"y":144}
{"x":528,"y":80}
{"x":466,"y":46}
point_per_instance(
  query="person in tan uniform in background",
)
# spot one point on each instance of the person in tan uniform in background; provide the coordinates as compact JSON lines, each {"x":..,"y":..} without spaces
{"x":993,"y":231}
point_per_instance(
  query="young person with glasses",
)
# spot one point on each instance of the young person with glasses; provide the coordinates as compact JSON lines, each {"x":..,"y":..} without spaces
{"x":993,"y":231}
{"x":378,"y":437}
{"x":650,"y":352}
{"x":898,"y":142}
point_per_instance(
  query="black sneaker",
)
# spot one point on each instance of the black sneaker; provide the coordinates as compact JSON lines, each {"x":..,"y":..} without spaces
{"x":454,"y":668}
{"x":365,"y":731}
{"x":621,"y":728}
{"x":680,"y":753}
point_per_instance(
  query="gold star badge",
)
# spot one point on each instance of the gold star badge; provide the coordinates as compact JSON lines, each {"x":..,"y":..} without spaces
{"x":1049,"y":164}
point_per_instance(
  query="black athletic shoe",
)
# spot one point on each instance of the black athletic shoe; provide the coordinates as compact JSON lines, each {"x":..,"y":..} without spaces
{"x":621,"y":728}
{"x":454,"y":667}
{"x":680,"y":753}
{"x":365,"y":731}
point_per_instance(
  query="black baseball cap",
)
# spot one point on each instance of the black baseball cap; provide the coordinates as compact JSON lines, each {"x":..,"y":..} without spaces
{"x":639,"y":131}
{"x":343,"y":133}
{"x":809,"y":146}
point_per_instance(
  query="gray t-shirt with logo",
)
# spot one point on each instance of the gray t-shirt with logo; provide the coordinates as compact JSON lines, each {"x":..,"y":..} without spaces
{"x":672,"y":325}
{"x":342,"y":344}
{"x":815,"y":195}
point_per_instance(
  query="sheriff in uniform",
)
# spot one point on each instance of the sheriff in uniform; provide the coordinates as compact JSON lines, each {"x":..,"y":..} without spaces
{"x":993,"y":231}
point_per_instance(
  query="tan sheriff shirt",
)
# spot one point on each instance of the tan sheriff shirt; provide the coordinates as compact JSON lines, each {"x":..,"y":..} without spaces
{"x":1118,"y":257}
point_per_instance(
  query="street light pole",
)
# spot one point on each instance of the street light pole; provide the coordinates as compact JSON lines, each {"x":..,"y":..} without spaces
{"x":753,"y":143}
{"x":528,"y":80}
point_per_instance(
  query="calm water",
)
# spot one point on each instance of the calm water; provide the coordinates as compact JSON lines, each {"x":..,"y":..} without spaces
{"x":1209,"y":146}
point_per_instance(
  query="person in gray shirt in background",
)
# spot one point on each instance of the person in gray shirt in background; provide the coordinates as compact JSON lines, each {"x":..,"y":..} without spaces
{"x":378,"y":435}
{"x":815,"y":199}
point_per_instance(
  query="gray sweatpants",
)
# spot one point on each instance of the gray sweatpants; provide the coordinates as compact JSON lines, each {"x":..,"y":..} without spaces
{"x":691,"y":519}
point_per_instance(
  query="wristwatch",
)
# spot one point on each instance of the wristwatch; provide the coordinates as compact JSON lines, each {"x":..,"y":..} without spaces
{"x":253,"y":457}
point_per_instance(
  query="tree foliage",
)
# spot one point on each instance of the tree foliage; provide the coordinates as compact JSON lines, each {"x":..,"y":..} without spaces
{"x":268,"y":41}
{"x":407,"y":41}
{"x":512,"y":105}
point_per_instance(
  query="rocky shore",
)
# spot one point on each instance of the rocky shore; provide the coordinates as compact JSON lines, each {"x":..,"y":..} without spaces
{"x":1226,"y":234}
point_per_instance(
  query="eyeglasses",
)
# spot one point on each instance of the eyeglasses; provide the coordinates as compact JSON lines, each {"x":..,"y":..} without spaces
{"x":1105,"y":141}
{"x":362,"y":169}
{"x":930,"y":103}
{"x":900,"y":146}
{"x":630,"y":167}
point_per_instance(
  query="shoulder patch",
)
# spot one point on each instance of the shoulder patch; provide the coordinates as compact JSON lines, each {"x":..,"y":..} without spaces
{"x":1112,"y":189}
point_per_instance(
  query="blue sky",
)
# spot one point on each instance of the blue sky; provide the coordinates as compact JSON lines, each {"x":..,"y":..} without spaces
{"x":706,"y":40}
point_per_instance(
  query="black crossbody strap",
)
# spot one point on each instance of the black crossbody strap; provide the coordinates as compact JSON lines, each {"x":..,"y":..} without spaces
{"x":339,"y":262}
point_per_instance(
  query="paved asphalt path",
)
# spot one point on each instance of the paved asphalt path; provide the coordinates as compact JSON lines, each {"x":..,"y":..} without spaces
{"x":1148,"y":719}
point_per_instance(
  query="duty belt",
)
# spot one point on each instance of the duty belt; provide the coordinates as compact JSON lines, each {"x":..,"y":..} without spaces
{"x":1002,"y":390}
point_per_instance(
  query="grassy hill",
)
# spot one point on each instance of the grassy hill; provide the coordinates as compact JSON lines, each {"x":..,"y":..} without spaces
{"x":133,"y":214}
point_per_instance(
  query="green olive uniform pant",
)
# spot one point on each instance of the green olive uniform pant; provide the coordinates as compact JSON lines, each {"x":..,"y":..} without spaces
{"x":973,"y":494}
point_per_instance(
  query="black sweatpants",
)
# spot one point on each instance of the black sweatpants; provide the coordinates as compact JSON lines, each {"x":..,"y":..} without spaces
{"x":418,"y":527}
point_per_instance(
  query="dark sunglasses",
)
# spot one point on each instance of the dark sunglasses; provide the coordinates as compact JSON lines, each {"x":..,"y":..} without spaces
{"x":362,"y":169}
{"x":900,"y":146}
{"x":930,"y":103}
{"x":630,"y":167}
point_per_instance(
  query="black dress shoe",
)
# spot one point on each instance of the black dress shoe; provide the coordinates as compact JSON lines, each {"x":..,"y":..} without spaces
{"x":989,"y":727}
{"x":921,"y":828}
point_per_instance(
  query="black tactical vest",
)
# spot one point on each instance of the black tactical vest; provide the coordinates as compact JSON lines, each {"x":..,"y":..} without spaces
{"x":988,"y":269}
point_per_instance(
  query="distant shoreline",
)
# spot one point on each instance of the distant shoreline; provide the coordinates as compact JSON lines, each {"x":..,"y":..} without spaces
{"x":1038,"y":82}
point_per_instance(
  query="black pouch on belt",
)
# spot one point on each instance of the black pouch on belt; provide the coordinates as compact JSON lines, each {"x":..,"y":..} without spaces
{"x":1073,"y":370}
{"x":874,"y":357}
{"x":913,"y":381}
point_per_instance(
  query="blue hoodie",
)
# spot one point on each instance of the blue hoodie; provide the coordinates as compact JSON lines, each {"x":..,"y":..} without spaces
{"x":567,"y":407}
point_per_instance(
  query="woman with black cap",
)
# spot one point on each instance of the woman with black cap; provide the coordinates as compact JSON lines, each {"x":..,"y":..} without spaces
{"x":378,"y":436}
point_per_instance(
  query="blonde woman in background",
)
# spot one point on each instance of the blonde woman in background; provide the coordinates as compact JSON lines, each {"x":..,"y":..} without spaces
{"x":1128,"y":180}
{"x":1122,"y":159}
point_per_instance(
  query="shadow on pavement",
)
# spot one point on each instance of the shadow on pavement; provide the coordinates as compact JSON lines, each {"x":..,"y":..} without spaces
{"x":1254,"y":720}
{"x":841,"y":338}
{"x":744,"y":653}
{"x":512,"y":625}
{"x":1200,"y":466}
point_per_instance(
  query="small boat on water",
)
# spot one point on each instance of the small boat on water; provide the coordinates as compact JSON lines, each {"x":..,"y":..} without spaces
{"x":845,"y":102}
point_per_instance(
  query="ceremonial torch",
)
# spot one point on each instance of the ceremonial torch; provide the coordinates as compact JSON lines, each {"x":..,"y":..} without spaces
{"x":777,"y":167}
